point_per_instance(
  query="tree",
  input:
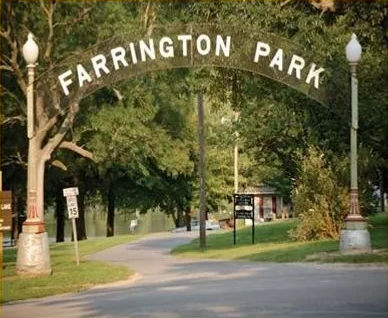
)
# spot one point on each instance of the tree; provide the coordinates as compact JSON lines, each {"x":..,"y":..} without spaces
{"x":48,"y":21}
{"x":141,"y":139}
{"x":320,"y":199}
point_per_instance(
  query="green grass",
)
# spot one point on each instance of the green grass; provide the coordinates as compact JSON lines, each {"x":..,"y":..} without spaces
{"x":66,"y":276}
{"x":274,"y":245}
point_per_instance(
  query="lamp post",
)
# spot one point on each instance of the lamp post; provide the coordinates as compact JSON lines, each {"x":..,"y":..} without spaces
{"x":32,"y":223}
{"x":33,"y":253}
{"x":355,"y":236}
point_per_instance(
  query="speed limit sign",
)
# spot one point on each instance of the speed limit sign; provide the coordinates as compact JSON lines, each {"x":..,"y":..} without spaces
{"x":71,"y":199}
{"x":72,"y":207}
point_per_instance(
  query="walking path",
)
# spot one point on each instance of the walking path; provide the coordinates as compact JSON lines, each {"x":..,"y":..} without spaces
{"x":170,"y":287}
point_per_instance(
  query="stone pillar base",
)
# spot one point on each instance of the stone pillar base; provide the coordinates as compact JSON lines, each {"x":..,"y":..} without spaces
{"x":33,"y":256}
{"x":356,"y":241}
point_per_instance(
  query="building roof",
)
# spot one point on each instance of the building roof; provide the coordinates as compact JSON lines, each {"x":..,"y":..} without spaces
{"x":260,"y":189}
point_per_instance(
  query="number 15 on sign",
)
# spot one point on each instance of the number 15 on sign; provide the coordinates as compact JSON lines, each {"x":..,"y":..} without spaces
{"x":72,"y":207}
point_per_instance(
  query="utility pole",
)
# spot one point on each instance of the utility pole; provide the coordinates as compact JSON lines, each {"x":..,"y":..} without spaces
{"x":202,"y":180}
{"x":236,"y":116}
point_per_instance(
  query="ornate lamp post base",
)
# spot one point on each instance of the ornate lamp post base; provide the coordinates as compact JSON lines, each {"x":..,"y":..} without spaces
{"x":355,"y":240}
{"x":33,"y":257}
{"x":355,"y":237}
{"x":33,"y":227}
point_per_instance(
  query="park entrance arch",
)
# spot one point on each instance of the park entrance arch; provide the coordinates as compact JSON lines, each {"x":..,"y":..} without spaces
{"x":59,"y":91}
{"x":182,"y":46}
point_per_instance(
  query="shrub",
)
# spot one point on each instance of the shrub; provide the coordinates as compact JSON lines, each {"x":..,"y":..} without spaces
{"x":320,"y":201}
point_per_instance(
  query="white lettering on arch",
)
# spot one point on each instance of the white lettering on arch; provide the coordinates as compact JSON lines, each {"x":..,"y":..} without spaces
{"x":118,"y":55}
{"x":166,"y":48}
{"x":222,"y":45}
{"x":133,"y":53}
{"x":83,"y":75}
{"x":262,"y":49}
{"x":99,"y":64}
{"x":65,"y":81}
{"x":184,"y":38}
{"x":314,"y":74}
{"x":277,"y":60}
{"x":297,"y":64}
{"x":147,"y":50}
{"x":203,"y":39}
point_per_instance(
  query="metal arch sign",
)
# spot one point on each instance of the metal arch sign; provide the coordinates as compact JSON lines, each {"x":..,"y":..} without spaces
{"x":182,"y":46}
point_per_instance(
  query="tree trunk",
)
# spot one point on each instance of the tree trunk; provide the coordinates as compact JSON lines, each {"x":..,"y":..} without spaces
{"x":188,"y":219}
{"x":174,"y":218}
{"x":80,"y":222}
{"x":60,"y":214}
{"x":111,"y":212}
{"x":14,"y":228}
{"x":382,"y":190}
{"x":20,"y":204}
{"x":180,"y":218}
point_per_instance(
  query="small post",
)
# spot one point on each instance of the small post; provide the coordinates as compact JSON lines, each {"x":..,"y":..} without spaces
{"x":253,"y":220}
{"x":234,"y":229}
{"x":75,"y":240}
{"x":72,"y":208}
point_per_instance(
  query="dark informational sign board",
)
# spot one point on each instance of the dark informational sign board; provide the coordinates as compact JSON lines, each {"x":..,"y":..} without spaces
{"x":244,"y":207}
{"x":6,"y":211}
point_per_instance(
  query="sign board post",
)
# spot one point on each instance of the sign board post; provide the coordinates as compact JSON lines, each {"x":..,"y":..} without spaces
{"x":6,"y":211}
{"x":244,"y":208}
{"x":72,"y":209}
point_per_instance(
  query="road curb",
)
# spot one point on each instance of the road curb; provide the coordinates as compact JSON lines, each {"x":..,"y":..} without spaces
{"x":135,"y":277}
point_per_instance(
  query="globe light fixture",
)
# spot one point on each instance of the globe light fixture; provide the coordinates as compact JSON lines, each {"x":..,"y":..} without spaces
{"x":353,"y":50}
{"x":30,"y":51}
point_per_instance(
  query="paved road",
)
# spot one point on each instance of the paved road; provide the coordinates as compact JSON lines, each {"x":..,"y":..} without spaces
{"x":169,"y":287}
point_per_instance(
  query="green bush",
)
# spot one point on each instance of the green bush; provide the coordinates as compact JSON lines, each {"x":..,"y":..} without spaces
{"x":321,"y":202}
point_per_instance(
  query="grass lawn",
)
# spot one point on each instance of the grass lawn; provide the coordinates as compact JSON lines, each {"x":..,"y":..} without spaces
{"x":66,"y":276}
{"x":274,"y":245}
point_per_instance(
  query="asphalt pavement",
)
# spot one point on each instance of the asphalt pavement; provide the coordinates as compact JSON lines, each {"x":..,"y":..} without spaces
{"x":171,"y":287}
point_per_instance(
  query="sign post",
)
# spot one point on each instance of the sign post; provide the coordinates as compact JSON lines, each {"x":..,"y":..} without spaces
{"x":244,"y":207}
{"x":72,"y":209}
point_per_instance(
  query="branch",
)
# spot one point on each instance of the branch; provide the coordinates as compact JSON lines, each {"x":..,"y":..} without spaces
{"x":49,"y":14}
{"x":4,"y":91}
{"x":44,"y":124}
{"x":284,"y":3}
{"x":13,"y":119}
{"x":118,"y":94}
{"x":77,"y":20}
{"x":15,"y":159}
{"x":57,"y":139}
{"x":77,"y":149}
{"x":58,"y":164}
{"x":6,"y":68}
{"x":43,"y":7}
{"x":6,"y":34}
